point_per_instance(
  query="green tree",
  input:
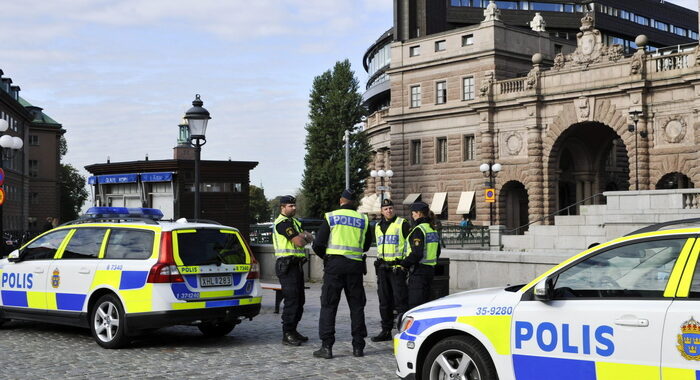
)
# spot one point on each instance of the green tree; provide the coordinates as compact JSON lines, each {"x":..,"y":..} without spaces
{"x":335,"y":105}
{"x":73,"y":192}
{"x":259,"y":207}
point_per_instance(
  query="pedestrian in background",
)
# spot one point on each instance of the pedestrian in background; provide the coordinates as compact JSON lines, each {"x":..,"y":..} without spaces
{"x":289,"y":241}
{"x":423,"y":245}
{"x":390,"y":234}
{"x":340,"y":241}
{"x":48,"y":225}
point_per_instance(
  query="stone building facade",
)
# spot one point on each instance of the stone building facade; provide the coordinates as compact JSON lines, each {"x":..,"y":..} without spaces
{"x":558,"y":117}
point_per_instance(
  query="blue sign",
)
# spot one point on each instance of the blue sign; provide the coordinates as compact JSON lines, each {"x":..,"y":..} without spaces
{"x":92,"y":180}
{"x":157,"y":177}
{"x":117,"y":178}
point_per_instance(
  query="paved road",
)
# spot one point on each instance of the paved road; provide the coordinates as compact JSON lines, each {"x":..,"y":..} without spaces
{"x":252,"y":351}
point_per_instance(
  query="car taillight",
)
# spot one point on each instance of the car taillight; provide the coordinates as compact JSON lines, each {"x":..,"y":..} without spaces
{"x":254,"y":269}
{"x":165,"y":270}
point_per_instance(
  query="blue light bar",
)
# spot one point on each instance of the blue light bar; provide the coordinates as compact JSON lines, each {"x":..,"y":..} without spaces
{"x":123,"y":212}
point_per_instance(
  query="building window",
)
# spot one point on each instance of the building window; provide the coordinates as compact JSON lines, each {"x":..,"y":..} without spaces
{"x":468,"y":147}
{"x":415,"y":96}
{"x":34,"y":198}
{"x":468,"y":88}
{"x":641,"y":20}
{"x":440,"y":45}
{"x":33,"y":168}
{"x":415,"y":152}
{"x":441,"y":154}
{"x":33,"y":140}
{"x":414,"y":51}
{"x":557,"y":49}
{"x":441,"y":92}
{"x":468,"y":40}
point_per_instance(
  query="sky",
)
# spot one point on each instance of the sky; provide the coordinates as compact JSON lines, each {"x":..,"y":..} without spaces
{"x":120,"y":74}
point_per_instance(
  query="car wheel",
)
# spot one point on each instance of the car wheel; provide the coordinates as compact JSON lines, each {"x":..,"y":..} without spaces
{"x":214,"y":328}
{"x":458,"y":357}
{"x":107,"y":322}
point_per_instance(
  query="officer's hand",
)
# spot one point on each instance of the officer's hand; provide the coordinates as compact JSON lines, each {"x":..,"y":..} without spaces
{"x":308,"y":237}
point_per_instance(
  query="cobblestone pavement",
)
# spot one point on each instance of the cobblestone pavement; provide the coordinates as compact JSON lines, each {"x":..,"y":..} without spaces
{"x":253,"y":350}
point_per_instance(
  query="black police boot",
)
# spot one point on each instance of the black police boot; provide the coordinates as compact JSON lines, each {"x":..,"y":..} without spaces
{"x":383,"y":336}
{"x":290,"y":339}
{"x":358,"y":352}
{"x":300,"y":337}
{"x":324,"y":352}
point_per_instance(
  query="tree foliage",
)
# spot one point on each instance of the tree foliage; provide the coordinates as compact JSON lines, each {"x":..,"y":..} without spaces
{"x":259,"y":206}
{"x":335,"y":105}
{"x":73,"y":192}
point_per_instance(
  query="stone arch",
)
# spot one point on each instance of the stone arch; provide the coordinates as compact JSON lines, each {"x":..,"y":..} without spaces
{"x":515,"y":205}
{"x":604,"y":114}
{"x":673,"y":163}
{"x":675,"y":180}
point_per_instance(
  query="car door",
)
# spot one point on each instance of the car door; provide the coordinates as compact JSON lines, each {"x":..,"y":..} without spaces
{"x":23,"y":283}
{"x":73,"y":270}
{"x":605,"y":317}
{"x":680,"y":348}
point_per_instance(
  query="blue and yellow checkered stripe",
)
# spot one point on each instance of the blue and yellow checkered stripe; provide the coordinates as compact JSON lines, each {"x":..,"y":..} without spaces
{"x":216,"y":303}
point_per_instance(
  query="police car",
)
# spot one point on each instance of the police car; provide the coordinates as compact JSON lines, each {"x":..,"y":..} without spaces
{"x":122,"y":271}
{"x":626,"y":309}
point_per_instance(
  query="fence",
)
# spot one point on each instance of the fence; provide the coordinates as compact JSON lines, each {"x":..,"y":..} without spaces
{"x":462,"y":236}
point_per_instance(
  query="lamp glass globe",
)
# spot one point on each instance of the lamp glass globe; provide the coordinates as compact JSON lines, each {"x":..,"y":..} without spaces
{"x":4,"y":125}
{"x":381,"y":173}
{"x":6,"y":141}
{"x":17,"y":143}
{"x":484,"y":168}
{"x":373,"y":173}
{"x":389,"y":173}
{"x":496,"y":167}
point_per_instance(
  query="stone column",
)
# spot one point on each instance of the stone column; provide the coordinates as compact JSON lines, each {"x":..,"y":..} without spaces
{"x":535,"y":173}
{"x":643,"y":146}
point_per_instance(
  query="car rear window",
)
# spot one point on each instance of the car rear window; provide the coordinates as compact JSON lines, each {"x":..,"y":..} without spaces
{"x":129,"y":244}
{"x":210,"y":246}
{"x":85,"y":243}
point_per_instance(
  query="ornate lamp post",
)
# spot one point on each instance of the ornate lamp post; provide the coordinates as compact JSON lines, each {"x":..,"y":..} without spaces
{"x":634,"y":115}
{"x":382,"y":174}
{"x":9,"y":146}
{"x":490,"y":170}
{"x":197,"y":118}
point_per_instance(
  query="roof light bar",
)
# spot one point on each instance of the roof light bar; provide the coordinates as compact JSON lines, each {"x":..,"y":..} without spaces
{"x":124,"y":212}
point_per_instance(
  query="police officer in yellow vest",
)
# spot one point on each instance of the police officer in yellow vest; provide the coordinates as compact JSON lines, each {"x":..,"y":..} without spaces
{"x":289,"y":241}
{"x":423,"y":246}
{"x":340,"y":241}
{"x":390,"y":234}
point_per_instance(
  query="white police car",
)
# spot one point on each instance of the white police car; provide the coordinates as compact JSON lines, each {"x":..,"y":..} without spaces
{"x":626,"y":309}
{"x":121,"y":271}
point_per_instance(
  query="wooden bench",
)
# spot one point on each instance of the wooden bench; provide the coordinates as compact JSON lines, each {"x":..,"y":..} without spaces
{"x":278,"y":293}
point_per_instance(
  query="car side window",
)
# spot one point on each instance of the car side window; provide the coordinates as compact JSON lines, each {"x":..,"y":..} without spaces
{"x":45,"y":247}
{"x":695,"y":284}
{"x":84,"y":244}
{"x":126,"y":243}
{"x":636,"y":270}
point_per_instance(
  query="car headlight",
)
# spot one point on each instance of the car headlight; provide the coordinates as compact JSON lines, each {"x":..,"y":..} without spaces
{"x":406,"y":324}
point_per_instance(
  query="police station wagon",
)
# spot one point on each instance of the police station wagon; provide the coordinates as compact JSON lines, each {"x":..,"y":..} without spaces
{"x":122,"y":271}
{"x":626,"y":309}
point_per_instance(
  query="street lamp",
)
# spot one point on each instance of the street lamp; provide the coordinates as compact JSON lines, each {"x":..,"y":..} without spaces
{"x":382,"y":174}
{"x":490,"y":171}
{"x":197,"y":118}
{"x":9,"y":145}
{"x":634,"y":115}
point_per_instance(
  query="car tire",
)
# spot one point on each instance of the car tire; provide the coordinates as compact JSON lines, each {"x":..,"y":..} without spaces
{"x":216,"y":328}
{"x":107,"y":322}
{"x":458,"y":357}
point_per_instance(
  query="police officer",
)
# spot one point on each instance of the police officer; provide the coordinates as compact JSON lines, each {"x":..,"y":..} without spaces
{"x":289,"y":241}
{"x":340,"y":241}
{"x":423,"y":245}
{"x":390,"y":234}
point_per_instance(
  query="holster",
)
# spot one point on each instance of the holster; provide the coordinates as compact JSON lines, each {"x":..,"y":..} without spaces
{"x":364,"y":264}
{"x":282,"y":265}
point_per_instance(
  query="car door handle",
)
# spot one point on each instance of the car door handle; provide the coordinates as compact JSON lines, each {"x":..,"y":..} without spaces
{"x":38,"y":270}
{"x":84,"y":271}
{"x":634,"y":322}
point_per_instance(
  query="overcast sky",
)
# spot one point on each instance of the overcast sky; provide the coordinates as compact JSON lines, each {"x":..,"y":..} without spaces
{"x":119,"y":74}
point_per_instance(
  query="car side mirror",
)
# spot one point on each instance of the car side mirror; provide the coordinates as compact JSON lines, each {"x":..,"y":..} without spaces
{"x":13,"y":257}
{"x":544,"y":290}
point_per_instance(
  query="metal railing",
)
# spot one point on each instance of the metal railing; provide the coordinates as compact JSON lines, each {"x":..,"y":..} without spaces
{"x":515,"y":230}
{"x":456,"y":235}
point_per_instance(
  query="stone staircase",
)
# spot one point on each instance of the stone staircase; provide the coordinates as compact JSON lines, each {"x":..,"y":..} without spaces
{"x":624,"y":212}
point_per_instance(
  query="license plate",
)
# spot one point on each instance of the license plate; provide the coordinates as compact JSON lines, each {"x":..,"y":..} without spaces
{"x":215,"y":280}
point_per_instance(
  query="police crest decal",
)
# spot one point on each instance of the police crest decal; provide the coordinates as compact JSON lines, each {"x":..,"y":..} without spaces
{"x":689,"y":340}
{"x":55,"y":278}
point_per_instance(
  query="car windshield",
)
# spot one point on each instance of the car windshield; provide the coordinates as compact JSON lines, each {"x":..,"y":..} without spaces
{"x":210,"y":246}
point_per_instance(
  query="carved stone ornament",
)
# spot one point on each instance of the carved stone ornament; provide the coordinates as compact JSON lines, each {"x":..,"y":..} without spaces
{"x":532,"y":77}
{"x":486,"y":82}
{"x":590,"y":44}
{"x":514,"y":143}
{"x":615,"y":53}
{"x":675,"y":130}
{"x":538,"y":24}
{"x":584,"y":108}
{"x":492,"y":13}
{"x":637,"y":62}
{"x":559,"y":61}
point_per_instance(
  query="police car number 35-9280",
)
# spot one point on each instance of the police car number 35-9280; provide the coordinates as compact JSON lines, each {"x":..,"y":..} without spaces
{"x":625,"y":309}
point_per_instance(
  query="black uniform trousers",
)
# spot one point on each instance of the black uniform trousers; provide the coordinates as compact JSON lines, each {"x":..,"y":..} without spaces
{"x":419,"y":285}
{"x":291,"y":279}
{"x":392,"y":293}
{"x":335,"y":282}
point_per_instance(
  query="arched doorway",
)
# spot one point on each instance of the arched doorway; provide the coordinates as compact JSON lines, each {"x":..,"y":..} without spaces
{"x":515,"y":206}
{"x":675,"y":180}
{"x":587,"y":159}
